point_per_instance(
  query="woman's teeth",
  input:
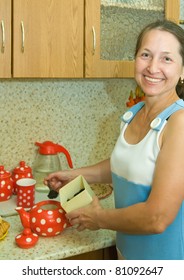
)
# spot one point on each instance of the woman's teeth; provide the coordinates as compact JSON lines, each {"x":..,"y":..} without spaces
{"x":153,"y":80}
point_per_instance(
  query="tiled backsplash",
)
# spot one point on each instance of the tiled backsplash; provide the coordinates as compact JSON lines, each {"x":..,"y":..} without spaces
{"x":81,"y":115}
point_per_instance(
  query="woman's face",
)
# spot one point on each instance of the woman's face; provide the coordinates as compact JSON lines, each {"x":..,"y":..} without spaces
{"x":158,"y":63}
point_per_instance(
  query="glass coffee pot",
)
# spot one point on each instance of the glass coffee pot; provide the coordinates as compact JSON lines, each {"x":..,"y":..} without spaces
{"x":48,"y":161}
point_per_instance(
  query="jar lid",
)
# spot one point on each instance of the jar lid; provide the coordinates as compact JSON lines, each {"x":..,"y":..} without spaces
{"x":26,"y":239}
{"x":22,"y":168}
{"x":3,"y":173}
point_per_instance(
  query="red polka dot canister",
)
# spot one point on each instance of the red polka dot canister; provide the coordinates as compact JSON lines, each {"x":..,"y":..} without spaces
{"x":6,"y":184}
{"x":21,"y":171}
{"x":26,"y":192}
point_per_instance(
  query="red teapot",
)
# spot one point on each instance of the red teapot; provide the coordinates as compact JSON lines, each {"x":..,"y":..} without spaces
{"x":6,"y":184}
{"x":46,"y":218}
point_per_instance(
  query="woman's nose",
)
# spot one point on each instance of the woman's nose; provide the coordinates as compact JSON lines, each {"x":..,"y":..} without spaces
{"x":153,"y":66}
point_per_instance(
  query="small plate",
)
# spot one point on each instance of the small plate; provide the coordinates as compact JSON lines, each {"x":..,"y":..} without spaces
{"x":102,"y":190}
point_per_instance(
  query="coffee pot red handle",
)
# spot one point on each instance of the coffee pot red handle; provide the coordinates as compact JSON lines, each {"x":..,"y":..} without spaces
{"x":61,"y":149}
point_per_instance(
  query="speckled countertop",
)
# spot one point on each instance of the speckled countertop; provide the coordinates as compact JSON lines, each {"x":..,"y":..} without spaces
{"x":67,"y":244}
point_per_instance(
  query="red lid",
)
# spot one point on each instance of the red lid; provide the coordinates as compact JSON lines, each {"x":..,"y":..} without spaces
{"x":47,"y":148}
{"x":26,"y":239}
{"x":22,"y":168}
{"x":3,"y":173}
{"x":50,"y":148}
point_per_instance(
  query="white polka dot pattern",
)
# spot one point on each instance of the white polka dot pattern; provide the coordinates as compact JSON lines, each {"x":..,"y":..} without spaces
{"x":45,"y":222}
{"x":25,"y":193}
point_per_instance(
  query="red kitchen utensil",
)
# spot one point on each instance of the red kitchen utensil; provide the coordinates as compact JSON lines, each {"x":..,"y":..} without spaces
{"x":46,"y":218}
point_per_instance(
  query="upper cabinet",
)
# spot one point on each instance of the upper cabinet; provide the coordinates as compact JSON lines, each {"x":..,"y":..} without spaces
{"x":74,"y":38}
{"x":111,"y":31}
{"x":48,"y":38}
{"x":5,"y":38}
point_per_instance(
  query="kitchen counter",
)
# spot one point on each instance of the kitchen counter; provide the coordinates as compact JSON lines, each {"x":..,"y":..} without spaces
{"x":68,"y":244}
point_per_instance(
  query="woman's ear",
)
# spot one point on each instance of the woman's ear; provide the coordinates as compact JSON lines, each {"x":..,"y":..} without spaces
{"x":182,"y":77}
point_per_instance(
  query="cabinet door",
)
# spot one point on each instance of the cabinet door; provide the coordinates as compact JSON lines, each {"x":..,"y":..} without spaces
{"x":5,"y":38}
{"x":102,"y":59}
{"x":48,"y":38}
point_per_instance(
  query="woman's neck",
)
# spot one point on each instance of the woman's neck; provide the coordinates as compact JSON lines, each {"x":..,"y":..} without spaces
{"x":153,"y":107}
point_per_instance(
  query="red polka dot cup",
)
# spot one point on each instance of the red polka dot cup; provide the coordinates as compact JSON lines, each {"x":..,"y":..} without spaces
{"x":25,"y":192}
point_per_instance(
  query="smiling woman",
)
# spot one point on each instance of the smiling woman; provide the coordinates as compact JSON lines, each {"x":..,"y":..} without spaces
{"x":146,"y":165}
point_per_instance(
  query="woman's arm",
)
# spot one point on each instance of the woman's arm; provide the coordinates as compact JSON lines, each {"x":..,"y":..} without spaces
{"x":98,"y":173}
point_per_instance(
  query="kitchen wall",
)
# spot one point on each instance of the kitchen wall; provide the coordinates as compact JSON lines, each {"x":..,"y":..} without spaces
{"x":82,"y":115}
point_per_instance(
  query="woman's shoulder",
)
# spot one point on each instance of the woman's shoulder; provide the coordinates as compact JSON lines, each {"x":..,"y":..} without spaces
{"x":175,"y":112}
{"x":173,"y":131}
{"x":175,"y":124}
{"x":177,"y":116}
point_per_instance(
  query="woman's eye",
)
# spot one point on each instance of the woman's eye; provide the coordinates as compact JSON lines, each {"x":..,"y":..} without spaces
{"x":145,"y":55}
{"x":167,"y":59}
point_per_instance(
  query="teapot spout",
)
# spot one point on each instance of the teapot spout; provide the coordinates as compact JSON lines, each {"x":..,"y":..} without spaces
{"x":24,"y":217}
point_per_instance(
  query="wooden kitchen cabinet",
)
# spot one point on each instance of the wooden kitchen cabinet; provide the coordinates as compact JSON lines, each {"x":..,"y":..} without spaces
{"x":95,"y":66}
{"x":48,"y":38}
{"x":59,"y":39}
{"x":5,"y":38}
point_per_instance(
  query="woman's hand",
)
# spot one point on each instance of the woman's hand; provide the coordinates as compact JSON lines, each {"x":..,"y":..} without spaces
{"x":86,"y":217}
{"x":58,"y":179}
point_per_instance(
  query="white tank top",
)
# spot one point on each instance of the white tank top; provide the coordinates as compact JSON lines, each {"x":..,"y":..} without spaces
{"x":136,"y":162}
{"x":132,"y":173}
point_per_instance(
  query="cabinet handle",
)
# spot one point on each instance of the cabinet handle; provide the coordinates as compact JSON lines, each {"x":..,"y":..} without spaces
{"x":94,"y":39}
{"x":3,"y":37}
{"x":23,"y":35}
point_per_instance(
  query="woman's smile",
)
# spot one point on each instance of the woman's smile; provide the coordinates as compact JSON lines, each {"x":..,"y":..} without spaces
{"x":153,"y":80}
